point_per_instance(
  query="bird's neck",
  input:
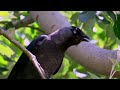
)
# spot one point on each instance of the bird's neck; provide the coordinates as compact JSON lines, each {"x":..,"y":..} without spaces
{"x":57,"y":39}
{"x":61,"y":40}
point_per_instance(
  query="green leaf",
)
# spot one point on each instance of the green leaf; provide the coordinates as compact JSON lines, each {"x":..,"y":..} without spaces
{"x":116,"y":27}
{"x":25,"y":13}
{"x":89,"y":24}
{"x":117,"y":67}
{"x":86,"y":15}
{"x":93,"y":75}
{"x":66,"y":66}
{"x":110,"y":38}
{"x":105,"y":21}
{"x":71,"y":75}
{"x":3,"y":69}
{"x":74,"y":17}
{"x":3,"y":50}
{"x":4,"y":13}
{"x":100,"y":23}
{"x":7,"y":58}
{"x":112,"y":15}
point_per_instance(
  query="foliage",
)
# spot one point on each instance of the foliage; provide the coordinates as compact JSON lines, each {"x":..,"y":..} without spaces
{"x":100,"y":26}
{"x":9,"y":53}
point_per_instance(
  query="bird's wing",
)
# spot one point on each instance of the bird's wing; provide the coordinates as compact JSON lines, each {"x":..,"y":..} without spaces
{"x":58,"y":68}
{"x":18,"y":66}
{"x":23,"y":60}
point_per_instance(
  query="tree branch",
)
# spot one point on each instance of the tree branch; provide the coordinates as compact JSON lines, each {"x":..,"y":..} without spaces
{"x":23,"y":23}
{"x":17,"y":24}
{"x":86,"y":54}
{"x":28,"y":53}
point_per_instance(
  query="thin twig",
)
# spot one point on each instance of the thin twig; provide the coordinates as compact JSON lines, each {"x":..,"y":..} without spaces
{"x":28,"y":53}
{"x":112,"y":72}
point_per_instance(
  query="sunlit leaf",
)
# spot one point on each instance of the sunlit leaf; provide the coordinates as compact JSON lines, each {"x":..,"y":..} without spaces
{"x":4,"y":13}
{"x":35,"y":25}
{"x":100,"y":23}
{"x":71,"y":75}
{"x":25,"y":13}
{"x":4,"y":50}
{"x":7,"y":58}
{"x":57,"y":76}
{"x":3,"y":69}
{"x":3,"y":62}
{"x":66,"y":66}
{"x":117,"y":67}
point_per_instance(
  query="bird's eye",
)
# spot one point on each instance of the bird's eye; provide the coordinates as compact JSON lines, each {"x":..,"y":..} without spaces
{"x":74,"y":31}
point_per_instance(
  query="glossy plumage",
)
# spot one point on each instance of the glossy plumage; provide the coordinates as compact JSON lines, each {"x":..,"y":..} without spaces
{"x":49,"y":51}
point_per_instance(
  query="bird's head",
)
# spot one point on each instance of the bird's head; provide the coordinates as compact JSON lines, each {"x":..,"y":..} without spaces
{"x":72,"y":35}
{"x":78,"y":35}
{"x":68,"y":36}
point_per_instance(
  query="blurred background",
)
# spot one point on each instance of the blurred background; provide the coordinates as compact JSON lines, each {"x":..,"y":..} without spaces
{"x":101,"y":26}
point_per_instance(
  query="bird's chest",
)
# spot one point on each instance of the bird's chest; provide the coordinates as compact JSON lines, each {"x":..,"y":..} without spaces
{"x":50,"y":57}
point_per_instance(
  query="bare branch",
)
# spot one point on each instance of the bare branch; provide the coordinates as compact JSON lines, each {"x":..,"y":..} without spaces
{"x":24,"y":22}
{"x":17,"y":24}
{"x":28,"y":53}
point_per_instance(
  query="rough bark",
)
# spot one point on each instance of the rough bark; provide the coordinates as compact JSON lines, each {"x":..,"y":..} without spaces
{"x":86,"y":54}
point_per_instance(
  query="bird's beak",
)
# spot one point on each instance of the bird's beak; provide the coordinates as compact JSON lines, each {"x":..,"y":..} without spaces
{"x":86,"y":39}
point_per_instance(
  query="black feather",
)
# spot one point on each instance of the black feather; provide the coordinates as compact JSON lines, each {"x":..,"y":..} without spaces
{"x":49,"y":51}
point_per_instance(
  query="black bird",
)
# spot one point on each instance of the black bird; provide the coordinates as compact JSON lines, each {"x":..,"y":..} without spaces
{"x":49,"y":51}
